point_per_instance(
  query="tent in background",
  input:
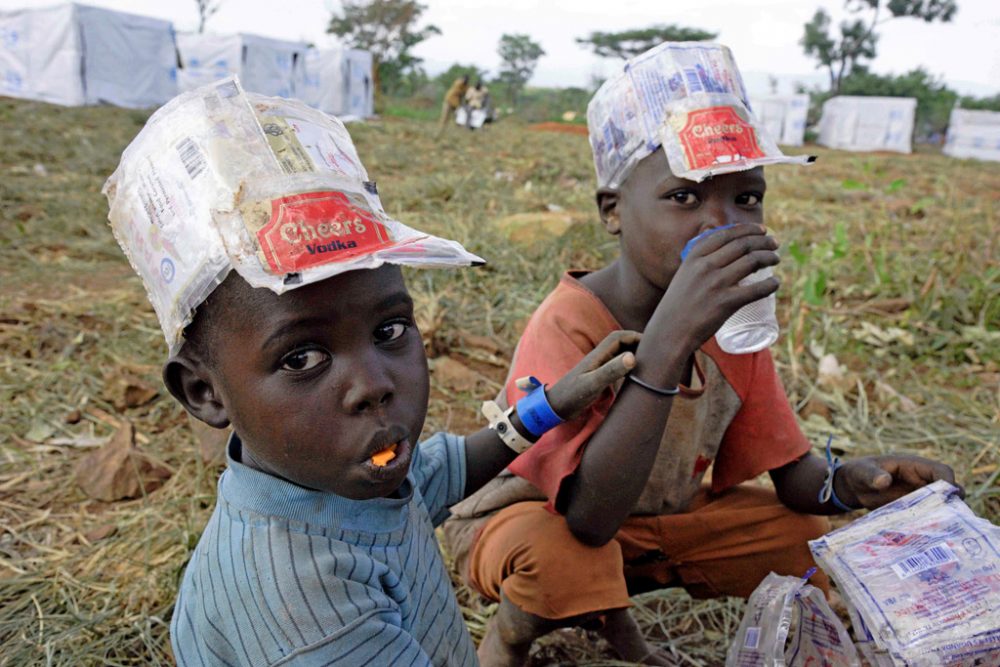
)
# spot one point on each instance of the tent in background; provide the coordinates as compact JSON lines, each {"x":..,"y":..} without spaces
{"x":974,"y":134}
{"x":264,"y":65}
{"x":339,"y":82}
{"x":783,"y":116}
{"x":868,"y":123}
{"x":75,"y":54}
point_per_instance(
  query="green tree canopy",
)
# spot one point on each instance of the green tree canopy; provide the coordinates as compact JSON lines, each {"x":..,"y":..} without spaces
{"x":519,"y":55}
{"x":457,"y":71}
{"x":983,"y":103}
{"x":630,"y":43}
{"x":857,"y":41}
{"x":386,"y":28}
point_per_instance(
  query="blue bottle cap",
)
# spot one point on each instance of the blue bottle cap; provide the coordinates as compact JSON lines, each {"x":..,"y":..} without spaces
{"x":708,"y":232}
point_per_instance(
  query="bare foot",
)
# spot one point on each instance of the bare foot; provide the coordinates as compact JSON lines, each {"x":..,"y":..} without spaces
{"x":624,"y":635}
{"x":494,"y":652}
{"x":511,"y":631}
{"x":509,"y":635}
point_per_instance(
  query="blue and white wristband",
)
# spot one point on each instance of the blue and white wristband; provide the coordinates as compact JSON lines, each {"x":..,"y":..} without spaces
{"x":534,"y":411}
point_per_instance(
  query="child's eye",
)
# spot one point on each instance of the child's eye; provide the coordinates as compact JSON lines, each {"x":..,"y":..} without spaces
{"x":682,"y":197}
{"x":749,"y":199}
{"x":391,"y":331}
{"x":303,"y":360}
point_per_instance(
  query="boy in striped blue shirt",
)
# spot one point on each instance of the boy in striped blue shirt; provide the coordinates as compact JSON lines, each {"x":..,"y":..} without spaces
{"x":321,"y":548}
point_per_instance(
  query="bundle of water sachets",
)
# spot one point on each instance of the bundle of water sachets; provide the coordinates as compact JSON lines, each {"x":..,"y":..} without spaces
{"x":921,"y":577}
{"x":789,"y":623}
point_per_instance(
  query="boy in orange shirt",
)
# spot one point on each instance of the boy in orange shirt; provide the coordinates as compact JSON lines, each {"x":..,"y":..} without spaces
{"x":616,"y":502}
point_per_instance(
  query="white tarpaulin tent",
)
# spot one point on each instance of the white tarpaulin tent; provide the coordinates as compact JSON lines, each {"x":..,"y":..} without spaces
{"x":339,"y":82}
{"x":783,"y":116}
{"x":974,"y":134}
{"x":264,"y":65}
{"x":868,"y":123}
{"x":75,"y":54}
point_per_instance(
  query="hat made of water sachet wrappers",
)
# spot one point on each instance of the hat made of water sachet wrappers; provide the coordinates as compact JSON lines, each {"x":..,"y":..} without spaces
{"x":689,"y":99}
{"x":222,"y":179}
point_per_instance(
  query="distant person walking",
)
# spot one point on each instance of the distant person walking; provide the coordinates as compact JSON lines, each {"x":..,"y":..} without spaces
{"x":477,"y":107}
{"x":452,"y":100}
{"x":477,"y":98}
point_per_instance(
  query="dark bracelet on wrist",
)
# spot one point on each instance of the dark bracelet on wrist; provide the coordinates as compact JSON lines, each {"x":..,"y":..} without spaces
{"x":661,"y":391}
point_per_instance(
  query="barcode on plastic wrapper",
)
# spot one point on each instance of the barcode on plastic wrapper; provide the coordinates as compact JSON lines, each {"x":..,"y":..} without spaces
{"x":752,"y":639}
{"x":192,"y":157}
{"x":935,"y":556}
{"x":693,"y":80}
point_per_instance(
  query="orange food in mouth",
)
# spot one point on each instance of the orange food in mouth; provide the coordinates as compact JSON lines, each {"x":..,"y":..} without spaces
{"x":384,"y":456}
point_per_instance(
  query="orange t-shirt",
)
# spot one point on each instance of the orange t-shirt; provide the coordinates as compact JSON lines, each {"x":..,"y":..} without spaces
{"x":736,"y":418}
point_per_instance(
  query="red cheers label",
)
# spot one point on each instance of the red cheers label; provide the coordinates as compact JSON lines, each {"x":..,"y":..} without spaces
{"x":717,"y":135}
{"x":317,"y":228}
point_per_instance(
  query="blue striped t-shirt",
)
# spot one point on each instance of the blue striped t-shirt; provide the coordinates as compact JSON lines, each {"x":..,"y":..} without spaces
{"x":287,"y":576}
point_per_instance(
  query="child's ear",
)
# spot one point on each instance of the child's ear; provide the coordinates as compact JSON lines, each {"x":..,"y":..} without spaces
{"x":188,"y":381}
{"x":607,"y":204}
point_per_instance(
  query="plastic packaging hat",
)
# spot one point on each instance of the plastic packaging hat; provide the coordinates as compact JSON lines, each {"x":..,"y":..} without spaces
{"x":220,"y":179}
{"x":687,"y":97}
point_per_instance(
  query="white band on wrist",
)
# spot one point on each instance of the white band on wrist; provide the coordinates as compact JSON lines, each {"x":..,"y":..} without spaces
{"x":500,"y":423}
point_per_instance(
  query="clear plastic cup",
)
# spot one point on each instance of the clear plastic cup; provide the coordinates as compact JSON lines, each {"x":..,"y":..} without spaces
{"x":754,"y":326}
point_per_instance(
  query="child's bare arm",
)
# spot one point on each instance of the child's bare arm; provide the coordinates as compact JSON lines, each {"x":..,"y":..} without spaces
{"x":619,"y":456}
{"x":486,"y":454}
{"x":864,"y":483}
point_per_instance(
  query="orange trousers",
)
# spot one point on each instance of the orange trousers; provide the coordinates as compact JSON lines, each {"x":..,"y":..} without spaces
{"x":725,"y":544}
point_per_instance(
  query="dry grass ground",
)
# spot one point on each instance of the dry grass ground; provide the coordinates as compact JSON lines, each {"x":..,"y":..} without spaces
{"x":891,"y":267}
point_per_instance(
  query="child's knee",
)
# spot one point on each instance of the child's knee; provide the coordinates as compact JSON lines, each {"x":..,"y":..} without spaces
{"x":534,"y":543}
{"x":567,"y":562}
{"x":533,"y":557}
{"x":565,"y":578}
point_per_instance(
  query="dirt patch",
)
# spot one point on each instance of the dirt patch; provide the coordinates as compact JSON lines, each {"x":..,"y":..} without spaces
{"x":565,"y":128}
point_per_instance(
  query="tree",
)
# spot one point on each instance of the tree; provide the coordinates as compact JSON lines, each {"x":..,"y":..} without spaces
{"x":630,"y":43}
{"x":857,"y":41}
{"x":519,"y":55}
{"x":386,"y":28}
{"x":206,"y":9}
{"x":457,"y":71}
{"x":983,"y":103}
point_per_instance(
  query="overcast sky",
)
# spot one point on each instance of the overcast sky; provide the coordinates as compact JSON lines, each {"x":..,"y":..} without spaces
{"x":763,"y":34}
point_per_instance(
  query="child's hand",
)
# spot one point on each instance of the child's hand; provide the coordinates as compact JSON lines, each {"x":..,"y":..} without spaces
{"x":705,"y":290}
{"x":607,"y":363}
{"x":873,"y":481}
{"x":486,"y":451}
